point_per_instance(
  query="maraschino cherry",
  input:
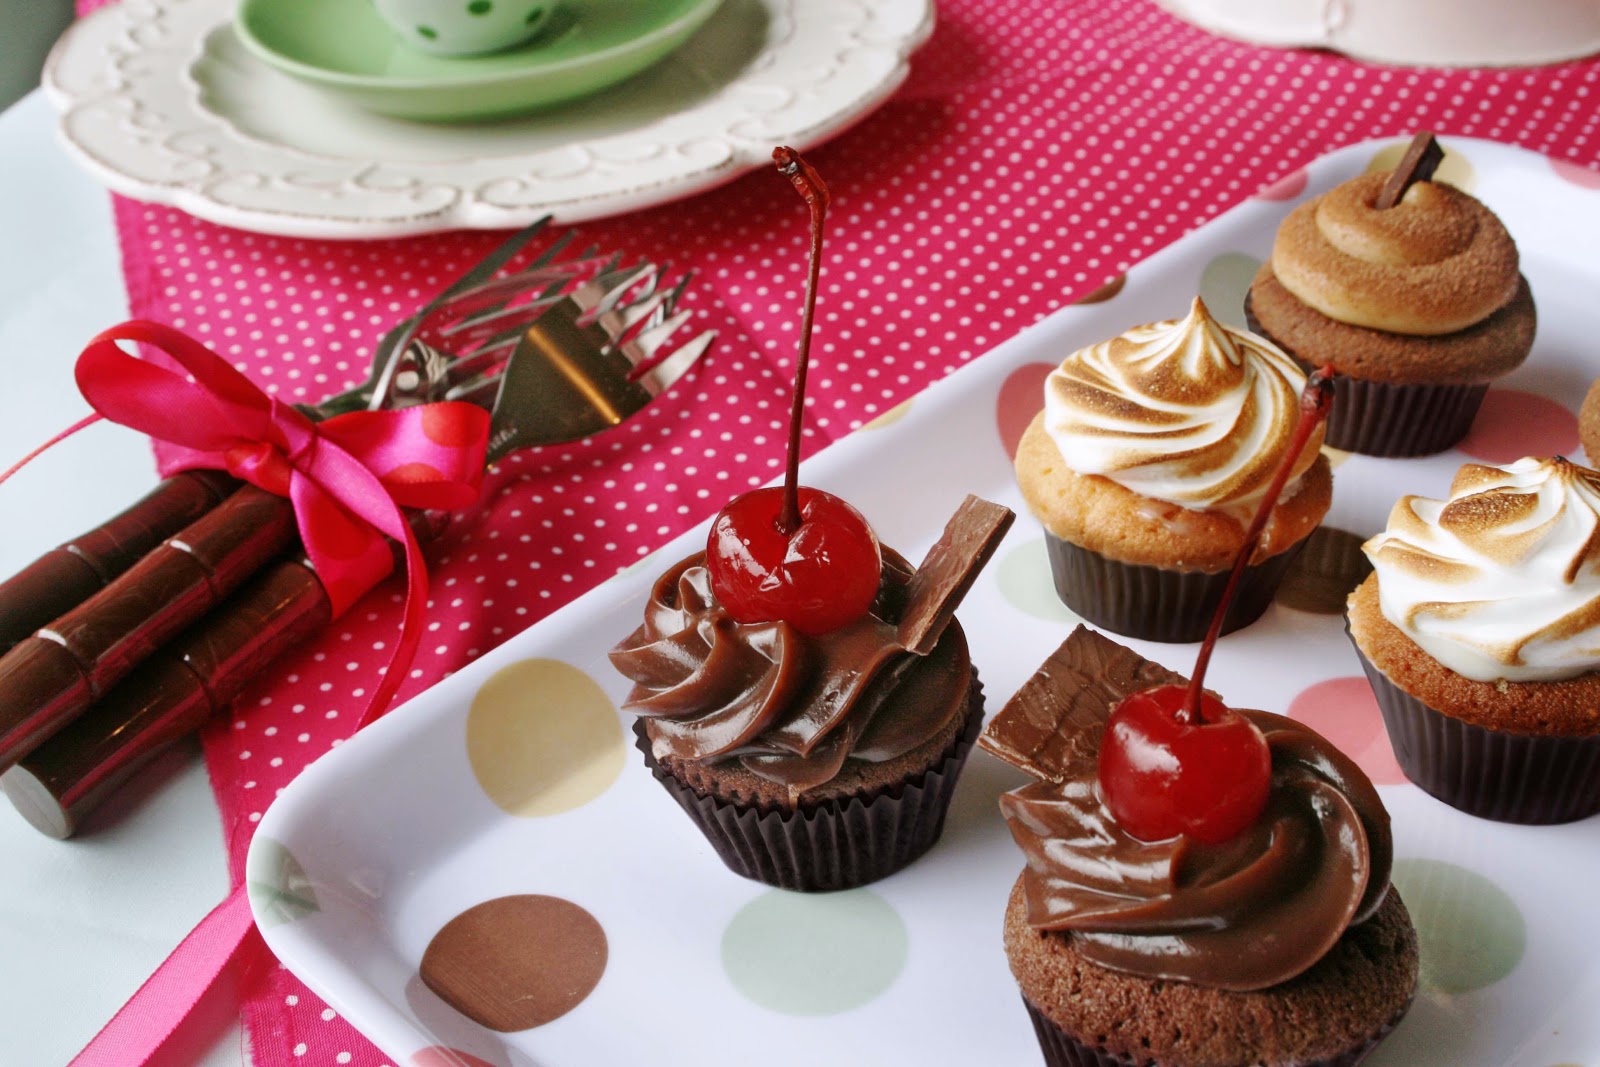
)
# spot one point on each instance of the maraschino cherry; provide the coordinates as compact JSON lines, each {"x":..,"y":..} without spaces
{"x":1176,"y":760}
{"x":791,"y":554}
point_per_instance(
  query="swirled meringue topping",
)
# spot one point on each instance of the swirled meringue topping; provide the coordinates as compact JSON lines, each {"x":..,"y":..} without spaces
{"x":1435,"y":263}
{"x":1502,"y":580}
{"x":1248,"y":914}
{"x":1188,"y":411}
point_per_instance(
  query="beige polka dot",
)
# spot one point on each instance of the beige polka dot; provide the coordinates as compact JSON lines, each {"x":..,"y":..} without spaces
{"x":543,"y":738}
{"x":888,"y":418}
{"x":1453,"y":170}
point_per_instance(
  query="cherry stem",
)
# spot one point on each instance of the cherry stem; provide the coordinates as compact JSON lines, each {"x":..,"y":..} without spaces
{"x":815,"y":192}
{"x":1315,"y":400}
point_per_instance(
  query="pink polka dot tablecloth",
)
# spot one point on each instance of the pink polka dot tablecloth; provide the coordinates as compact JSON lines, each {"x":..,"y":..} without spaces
{"x":1038,"y":149}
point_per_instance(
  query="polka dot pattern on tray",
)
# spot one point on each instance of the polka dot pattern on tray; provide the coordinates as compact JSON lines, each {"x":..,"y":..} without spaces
{"x":1035,"y":154}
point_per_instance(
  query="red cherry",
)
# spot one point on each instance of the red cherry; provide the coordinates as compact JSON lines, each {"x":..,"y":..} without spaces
{"x":1163,"y":773}
{"x":818,"y":577}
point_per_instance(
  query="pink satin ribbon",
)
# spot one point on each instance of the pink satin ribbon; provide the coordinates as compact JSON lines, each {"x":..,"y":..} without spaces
{"x":348,"y":478}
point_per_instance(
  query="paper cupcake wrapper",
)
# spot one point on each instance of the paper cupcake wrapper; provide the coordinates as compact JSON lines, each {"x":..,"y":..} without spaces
{"x":1154,"y":604}
{"x":1390,"y":418}
{"x":1061,"y":1049}
{"x":1385,"y":419}
{"x":1516,"y":778}
{"x":838,"y":844}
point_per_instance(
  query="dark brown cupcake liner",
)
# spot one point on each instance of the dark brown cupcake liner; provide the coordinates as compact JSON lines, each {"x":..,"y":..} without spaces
{"x":1155,"y":604}
{"x":1391,"y":418}
{"x":837,"y":844}
{"x":1061,"y":1049}
{"x":1507,"y":777}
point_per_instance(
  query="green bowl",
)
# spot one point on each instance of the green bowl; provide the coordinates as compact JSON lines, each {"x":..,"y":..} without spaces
{"x":343,"y":46}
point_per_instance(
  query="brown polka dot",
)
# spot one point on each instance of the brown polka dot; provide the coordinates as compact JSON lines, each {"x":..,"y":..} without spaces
{"x":449,"y":425}
{"x":517,"y":962}
{"x":1325,"y":572}
{"x":1106,"y":291}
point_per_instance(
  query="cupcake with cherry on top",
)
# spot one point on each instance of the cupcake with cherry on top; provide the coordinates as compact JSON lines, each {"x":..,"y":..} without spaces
{"x":805,"y":696}
{"x":1204,"y":887}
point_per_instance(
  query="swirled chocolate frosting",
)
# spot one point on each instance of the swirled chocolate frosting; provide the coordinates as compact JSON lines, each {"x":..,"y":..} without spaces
{"x":790,"y":707}
{"x":1244,"y":915}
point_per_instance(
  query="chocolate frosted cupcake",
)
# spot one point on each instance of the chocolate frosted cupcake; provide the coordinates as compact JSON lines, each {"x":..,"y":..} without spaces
{"x":1283,"y":945}
{"x":1479,"y":629}
{"x":814,"y":761}
{"x":1418,"y":306}
{"x":1146,"y":463}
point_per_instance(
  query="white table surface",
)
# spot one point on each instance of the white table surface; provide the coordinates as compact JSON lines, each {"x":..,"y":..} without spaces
{"x":84,"y":922}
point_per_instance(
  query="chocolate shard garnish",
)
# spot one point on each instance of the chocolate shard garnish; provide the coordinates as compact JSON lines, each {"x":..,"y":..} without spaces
{"x":1052,"y":726}
{"x":948,"y":571}
{"x":1422,"y":158}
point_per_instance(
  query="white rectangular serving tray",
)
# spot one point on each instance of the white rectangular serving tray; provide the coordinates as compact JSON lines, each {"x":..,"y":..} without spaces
{"x":385,"y":839}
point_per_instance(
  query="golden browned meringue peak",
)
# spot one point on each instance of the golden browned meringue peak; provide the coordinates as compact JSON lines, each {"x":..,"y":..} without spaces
{"x":1501,"y":581}
{"x":1435,"y":263}
{"x":1188,"y":410}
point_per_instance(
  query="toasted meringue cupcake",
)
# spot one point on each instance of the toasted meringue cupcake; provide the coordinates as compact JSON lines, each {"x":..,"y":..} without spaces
{"x":1146,"y":465}
{"x":1479,"y":630}
{"x":1418,"y":307}
{"x":1589,"y":423}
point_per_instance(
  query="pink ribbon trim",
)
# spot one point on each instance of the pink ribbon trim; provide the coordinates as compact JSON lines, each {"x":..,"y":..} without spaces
{"x":348,"y":477}
{"x":145,"y":1023}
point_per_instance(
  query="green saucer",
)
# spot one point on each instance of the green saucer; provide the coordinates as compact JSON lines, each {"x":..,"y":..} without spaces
{"x":343,"y":46}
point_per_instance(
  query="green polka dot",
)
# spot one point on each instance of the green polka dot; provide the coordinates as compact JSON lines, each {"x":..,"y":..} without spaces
{"x":1471,"y":932}
{"x":1025,"y":582}
{"x":534,"y":16}
{"x":814,"y":954}
{"x":429,"y":32}
{"x":280,"y":892}
{"x":480,"y":7}
{"x":1223,"y":284}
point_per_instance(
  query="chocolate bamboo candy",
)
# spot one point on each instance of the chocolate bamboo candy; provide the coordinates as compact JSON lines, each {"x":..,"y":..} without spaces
{"x":66,"y":576}
{"x":50,"y":678}
{"x":172,"y":693}
{"x":168,"y":697}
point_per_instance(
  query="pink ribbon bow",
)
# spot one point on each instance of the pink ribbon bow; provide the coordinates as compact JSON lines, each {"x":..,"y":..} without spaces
{"x":348,"y":476}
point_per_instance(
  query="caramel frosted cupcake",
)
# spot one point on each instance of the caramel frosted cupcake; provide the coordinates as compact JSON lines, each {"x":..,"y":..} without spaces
{"x":1285,"y":945}
{"x":1480,"y":632}
{"x":1418,"y":307}
{"x":814,"y":761}
{"x":1146,"y":464}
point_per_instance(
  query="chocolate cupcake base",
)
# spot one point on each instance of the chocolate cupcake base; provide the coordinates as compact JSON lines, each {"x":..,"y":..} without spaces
{"x":1061,"y":1049}
{"x":834,"y":845}
{"x":1507,"y":777}
{"x":1155,"y":604}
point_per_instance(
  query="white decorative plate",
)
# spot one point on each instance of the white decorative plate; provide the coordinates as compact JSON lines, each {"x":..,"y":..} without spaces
{"x":513,"y":777}
{"x":161,"y":102}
